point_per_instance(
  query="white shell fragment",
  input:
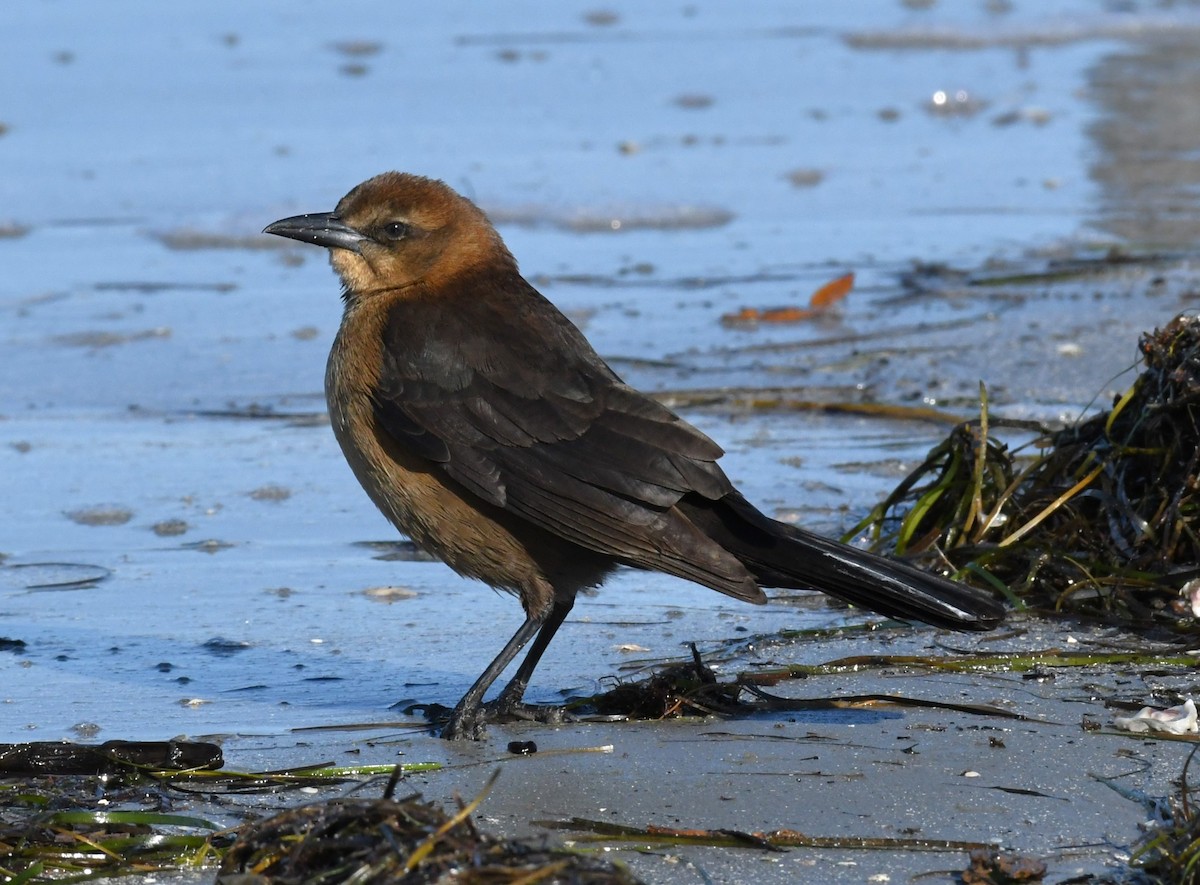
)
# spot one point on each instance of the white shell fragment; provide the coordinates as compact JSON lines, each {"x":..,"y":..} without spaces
{"x":1173,"y":720}
{"x":1191,"y":592}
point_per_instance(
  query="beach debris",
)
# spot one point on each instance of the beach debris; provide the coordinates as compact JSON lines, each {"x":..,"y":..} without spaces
{"x":1103,"y":518}
{"x":991,"y":867}
{"x":1191,"y":593}
{"x":397,"y":841}
{"x":820,"y":303}
{"x":1173,"y":720}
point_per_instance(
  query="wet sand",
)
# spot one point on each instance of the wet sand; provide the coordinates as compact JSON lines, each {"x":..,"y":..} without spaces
{"x":184,"y":551}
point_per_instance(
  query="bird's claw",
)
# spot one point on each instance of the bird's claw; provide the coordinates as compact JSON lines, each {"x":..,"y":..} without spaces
{"x":472,"y":724}
{"x":549,"y":714}
{"x":464,"y":726}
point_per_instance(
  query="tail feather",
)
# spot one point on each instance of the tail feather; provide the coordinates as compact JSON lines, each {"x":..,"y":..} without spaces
{"x":780,"y":555}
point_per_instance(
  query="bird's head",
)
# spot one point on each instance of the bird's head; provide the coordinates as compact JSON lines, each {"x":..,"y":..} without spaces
{"x":396,"y":231}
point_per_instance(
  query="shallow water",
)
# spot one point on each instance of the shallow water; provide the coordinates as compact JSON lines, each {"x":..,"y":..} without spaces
{"x":161,"y":421}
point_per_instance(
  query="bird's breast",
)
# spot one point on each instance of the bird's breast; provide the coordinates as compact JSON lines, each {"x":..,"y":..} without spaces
{"x":416,"y":495}
{"x":391,"y":477}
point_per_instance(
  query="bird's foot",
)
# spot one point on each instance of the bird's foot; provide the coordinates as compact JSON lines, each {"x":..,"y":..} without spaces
{"x":519,"y":711}
{"x":465,"y":725}
{"x":510,"y":706}
{"x":470,"y":723}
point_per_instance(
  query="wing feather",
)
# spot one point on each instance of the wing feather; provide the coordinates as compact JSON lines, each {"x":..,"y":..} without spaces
{"x":542,"y":427}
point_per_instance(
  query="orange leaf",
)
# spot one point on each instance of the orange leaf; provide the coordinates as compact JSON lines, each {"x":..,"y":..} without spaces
{"x":826,"y":296}
{"x":832,"y":292}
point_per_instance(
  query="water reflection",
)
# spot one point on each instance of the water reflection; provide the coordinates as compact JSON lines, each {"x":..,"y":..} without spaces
{"x":1148,"y":140}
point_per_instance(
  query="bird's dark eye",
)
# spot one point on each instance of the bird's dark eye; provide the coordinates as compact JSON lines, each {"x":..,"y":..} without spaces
{"x":395,"y":230}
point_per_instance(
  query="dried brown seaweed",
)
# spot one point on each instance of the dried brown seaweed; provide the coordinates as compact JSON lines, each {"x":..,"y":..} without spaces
{"x":409,"y":841}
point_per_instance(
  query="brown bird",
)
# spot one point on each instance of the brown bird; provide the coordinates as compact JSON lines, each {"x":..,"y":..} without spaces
{"x":481,"y":422}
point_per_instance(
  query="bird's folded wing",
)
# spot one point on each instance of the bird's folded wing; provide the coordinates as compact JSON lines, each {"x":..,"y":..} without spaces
{"x":548,"y":432}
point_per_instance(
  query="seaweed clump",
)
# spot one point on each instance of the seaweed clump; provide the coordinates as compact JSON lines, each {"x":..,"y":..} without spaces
{"x":405,"y":841}
{"x":1104,"y":520}
{"x":688,"y":688}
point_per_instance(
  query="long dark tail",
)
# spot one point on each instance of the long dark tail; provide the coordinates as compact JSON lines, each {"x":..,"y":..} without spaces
{"x":780,"y":555}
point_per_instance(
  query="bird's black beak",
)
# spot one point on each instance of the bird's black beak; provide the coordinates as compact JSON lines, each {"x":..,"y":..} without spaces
{"x":320,"y":228}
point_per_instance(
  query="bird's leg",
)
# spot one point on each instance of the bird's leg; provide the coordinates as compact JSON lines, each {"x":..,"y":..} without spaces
{"x":510,"y":701}
{"x":471,"y":714}
{"x":468,"y":717}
